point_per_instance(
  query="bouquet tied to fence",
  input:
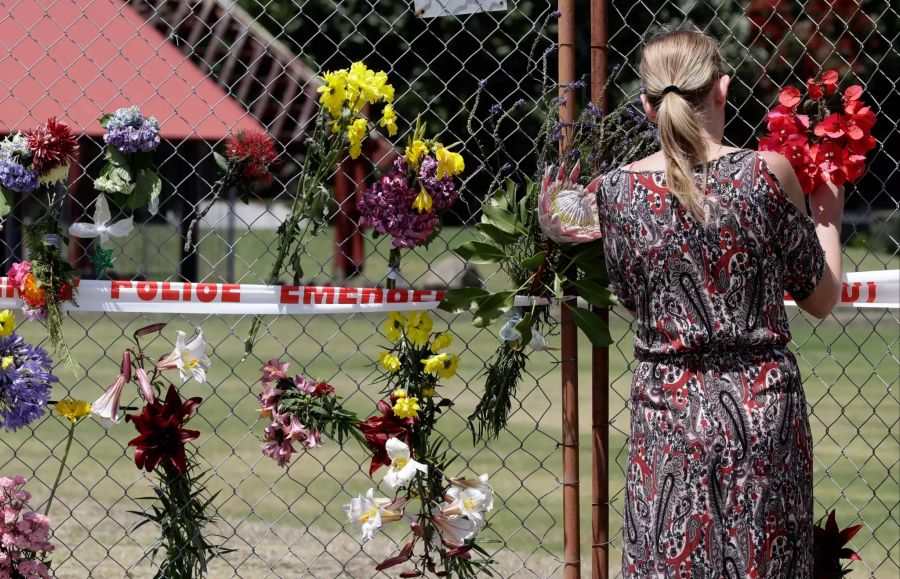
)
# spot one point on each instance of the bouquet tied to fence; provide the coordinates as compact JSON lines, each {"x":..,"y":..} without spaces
{"x":404,"y":440}
{"x":340,"y":127}
{"x":544,"y":234}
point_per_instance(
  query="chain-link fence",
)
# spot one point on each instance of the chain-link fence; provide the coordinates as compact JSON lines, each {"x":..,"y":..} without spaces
{"x":206,"y":67}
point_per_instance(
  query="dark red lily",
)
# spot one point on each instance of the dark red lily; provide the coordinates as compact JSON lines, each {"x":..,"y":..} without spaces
{"x":379,"y":429}
{"x":162,"y":436}
{"x":830,"y":547}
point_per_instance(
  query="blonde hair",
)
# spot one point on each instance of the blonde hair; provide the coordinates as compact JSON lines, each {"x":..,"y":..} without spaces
{"x":678,"y":70}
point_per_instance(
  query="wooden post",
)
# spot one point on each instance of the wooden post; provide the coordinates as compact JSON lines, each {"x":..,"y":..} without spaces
{"x":599,"y":356}
{"x":569,"y":354}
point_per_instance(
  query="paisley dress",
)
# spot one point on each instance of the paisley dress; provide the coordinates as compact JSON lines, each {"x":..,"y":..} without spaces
{"x":719,"y":480}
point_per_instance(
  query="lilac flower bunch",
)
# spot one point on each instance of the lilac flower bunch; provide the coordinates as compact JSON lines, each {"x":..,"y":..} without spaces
{"x":26,"y":378}
{"x":15,"y":158}
{"x":24,"y":534}
{"x":130,"y":132}
{"x":387,"y":207}
{"x":129,"y":175}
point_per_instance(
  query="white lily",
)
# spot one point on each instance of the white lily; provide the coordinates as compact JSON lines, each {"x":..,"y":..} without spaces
{"x":453,"y":530}
{"x":402,"y":468}
{"x":107,"y":406}
{"x":189,"y":356}
{"x":470,"y":498}
{"x":369,"y":513}
{"x":101,"y":227}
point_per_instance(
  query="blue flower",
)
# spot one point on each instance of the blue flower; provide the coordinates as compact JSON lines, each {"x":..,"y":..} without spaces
{"x":495,"y":109}
{"x":15,"y":177}
{"x":128,"y":131}
{"x":25,"y":381}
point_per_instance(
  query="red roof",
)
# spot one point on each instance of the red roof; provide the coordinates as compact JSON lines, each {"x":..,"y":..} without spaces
{"x":77,"y":60}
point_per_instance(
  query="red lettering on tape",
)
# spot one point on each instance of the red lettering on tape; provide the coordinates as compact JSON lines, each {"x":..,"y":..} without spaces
{"x":231,"y":293}
{"x":318,"y":295}
{"x":347,"y":295}
{"x":168,"y":293}
{"x":116,"y":286}
{"x":289,"y":294}
{"x":206,"y":292}
{"x":146,"y":290}
{"x":370,"y":295}
{"x":396,"y":296}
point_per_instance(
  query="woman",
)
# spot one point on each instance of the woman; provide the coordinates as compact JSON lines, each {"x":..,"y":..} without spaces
{"x":702,"y":243}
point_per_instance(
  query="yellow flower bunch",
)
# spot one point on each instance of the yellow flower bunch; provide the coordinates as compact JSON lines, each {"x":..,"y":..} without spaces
{"x":406,"y":406}
{"x":356,"y":132}
{"x":441,"y":342}
{"x":389,"y":362}
{"x":393,"y":326}
{"x":7,"y":323}
{"x":444,"y":365}
{"x":389,"y":120}
{"x":449,"y":163}
{"x":418,"y":328}
{"x":74,"y":410}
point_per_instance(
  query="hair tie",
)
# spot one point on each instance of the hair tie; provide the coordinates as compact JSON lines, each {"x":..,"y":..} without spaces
{"x":671,"y":88}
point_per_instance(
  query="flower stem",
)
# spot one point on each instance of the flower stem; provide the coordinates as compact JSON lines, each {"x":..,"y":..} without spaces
{"x":62,"y":465}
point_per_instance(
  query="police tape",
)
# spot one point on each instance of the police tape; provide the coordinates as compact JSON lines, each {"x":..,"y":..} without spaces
{"x":861,"y":289}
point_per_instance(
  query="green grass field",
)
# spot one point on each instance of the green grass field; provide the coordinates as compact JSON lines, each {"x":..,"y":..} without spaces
{"x":290,"y":522}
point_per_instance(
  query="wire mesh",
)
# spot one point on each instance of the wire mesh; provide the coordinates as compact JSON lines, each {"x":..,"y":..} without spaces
{"x":264,"y":56}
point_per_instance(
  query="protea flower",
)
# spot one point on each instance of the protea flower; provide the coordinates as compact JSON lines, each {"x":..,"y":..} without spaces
{"x":829,"y":544}
{"x":567,"y":210}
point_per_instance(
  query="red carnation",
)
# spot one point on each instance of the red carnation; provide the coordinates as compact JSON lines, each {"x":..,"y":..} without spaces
{"x":379,"y":429}
{"x":829,"y":547}
{"x":255,"y":152}
{"x":161,"y":435}
{"x":52,"y":145}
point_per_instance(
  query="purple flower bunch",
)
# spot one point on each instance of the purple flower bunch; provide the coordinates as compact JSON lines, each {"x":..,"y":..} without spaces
{"x":387,"y":206}
{"x":24,"y":534}
{"x":14,"y":175}
{"x":130,"y":132}
{"x":26,"y":378}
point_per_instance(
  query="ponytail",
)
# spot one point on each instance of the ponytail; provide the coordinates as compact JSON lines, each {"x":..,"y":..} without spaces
{"x":683,"y":147}
{"x":678,"y":70}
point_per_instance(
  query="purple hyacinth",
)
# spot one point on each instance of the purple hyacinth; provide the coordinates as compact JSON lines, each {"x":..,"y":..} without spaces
{"x":443,"y":191}
{"x":17,"y":178}
{"x":130,"y":132}
{"x":25,"y":381}
{"x":387,"y":207}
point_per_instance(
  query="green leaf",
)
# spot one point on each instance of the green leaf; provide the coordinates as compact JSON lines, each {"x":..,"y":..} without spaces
{"x":492,"y":307}
{"x":462,"y":300}
{"x":5,"y":206}
{"x":534,"y":261}
{"x":104,"y":120}
{"x":149,"y":184}
{"x":596,"y":294}
{"x":592,"y":326}
{"x":501,"y":218}
{"x":221,"y":161}
{"x":116,"y":157}
{"x":558,"y":283}
{"x":496,"y":234}
{"x":480,"y":252}
{"x":524,"y":329}
{"x":589,"y":254}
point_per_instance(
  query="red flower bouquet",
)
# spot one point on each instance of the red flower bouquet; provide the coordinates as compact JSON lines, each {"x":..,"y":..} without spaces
{"x":821,"y":142}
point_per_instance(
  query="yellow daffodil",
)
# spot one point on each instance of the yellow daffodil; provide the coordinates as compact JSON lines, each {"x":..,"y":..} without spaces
{"x":423,"y":202}
{"x":415,"y":152}
{"x":393,"y":327}
{"x":356,"y":132}
{"x":418,"y":328}
{"x":389,"y":120}
{"x":389,"y":361}
{"x":6,"y":362}
{"x":334,"y":92}
{"x":7,"y":323}
{"x":74,"y":410}
{"x":444,"y":365}
{"x":406,"y":407}
{"x":399,"y":393}
{"x":441,"y":342}
{"x":449,"y":163}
